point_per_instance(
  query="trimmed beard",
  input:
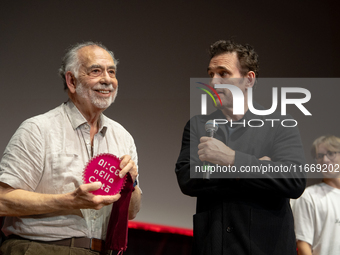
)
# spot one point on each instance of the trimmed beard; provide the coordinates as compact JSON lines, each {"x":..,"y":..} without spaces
{"x":99,"y":102}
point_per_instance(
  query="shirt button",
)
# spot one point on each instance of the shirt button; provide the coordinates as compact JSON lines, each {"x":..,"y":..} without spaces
{"x":230,"y":229}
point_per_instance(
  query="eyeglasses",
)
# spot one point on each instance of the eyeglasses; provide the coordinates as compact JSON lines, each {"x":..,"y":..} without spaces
{"x":330,"y":155}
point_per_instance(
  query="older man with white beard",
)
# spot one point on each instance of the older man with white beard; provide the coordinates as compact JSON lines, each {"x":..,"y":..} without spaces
{"x":41,"y":190}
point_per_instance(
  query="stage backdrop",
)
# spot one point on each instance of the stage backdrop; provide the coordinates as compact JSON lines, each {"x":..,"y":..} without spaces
{"x":160,"y":46}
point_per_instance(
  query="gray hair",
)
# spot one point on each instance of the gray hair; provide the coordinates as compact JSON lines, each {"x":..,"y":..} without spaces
{"x":70,"y":61}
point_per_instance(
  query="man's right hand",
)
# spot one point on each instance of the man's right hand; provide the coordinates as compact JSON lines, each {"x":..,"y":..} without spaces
{"x":82,"y":198}
{"x":18,"y":202}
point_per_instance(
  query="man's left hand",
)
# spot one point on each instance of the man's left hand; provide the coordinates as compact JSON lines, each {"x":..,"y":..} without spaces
{"x":216,"y":152}
{"x":128,"y":165}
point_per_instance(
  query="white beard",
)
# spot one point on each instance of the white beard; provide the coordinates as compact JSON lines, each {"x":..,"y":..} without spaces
{"x":99,"y":102}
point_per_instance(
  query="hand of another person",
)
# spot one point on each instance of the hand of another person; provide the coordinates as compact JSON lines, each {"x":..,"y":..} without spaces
{"x":265,"y":158}
{"x":215,"y":151}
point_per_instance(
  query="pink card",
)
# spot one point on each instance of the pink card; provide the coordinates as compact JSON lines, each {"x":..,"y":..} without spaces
{"x":105,"y":169}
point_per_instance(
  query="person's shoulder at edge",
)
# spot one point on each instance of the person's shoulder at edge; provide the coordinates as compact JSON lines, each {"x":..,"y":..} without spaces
{"x":44,"y":118}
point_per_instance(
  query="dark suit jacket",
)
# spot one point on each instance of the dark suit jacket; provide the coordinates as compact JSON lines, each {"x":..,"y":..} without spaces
{"x":240,"y":215}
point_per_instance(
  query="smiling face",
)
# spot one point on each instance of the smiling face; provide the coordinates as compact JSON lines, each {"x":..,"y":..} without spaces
{"x":96,"y":85}
{"x":224,"y":69}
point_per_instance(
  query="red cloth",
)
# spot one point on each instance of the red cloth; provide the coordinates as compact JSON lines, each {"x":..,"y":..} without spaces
{"x":117,"y":232}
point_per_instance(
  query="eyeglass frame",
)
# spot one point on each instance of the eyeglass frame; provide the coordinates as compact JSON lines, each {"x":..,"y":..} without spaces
{"x":333,"y":153}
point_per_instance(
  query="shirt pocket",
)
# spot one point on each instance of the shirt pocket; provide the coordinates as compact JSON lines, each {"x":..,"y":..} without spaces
{"x":67,"y":171}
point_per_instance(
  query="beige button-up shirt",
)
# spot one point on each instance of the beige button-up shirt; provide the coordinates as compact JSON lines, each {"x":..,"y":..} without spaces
{"x":47,"y":154}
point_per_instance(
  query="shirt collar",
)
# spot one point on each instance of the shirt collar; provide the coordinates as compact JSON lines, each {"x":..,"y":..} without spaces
{"x":77,"y":119}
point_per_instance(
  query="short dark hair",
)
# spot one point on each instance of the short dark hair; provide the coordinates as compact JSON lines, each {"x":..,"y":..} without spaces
{"x":70,"y":61}
{"x":246,"y":55}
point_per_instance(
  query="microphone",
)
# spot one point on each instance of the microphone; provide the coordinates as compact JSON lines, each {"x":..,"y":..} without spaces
{"x":211,"y":128}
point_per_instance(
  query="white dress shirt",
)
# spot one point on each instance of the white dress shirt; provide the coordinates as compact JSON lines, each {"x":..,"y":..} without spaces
{"x":47,"y":154}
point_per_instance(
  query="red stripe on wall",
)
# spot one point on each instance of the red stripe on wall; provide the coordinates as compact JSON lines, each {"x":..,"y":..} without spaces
{"x":160,"y":228}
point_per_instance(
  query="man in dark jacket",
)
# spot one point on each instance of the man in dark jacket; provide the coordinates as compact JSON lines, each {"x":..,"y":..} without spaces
{"x":241,"y":213}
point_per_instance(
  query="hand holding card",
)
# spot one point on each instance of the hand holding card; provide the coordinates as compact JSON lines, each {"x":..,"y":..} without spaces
{"x":104,"y":168}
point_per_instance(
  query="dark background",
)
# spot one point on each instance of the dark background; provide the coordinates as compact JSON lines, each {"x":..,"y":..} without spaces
{"x":161,"y":45}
